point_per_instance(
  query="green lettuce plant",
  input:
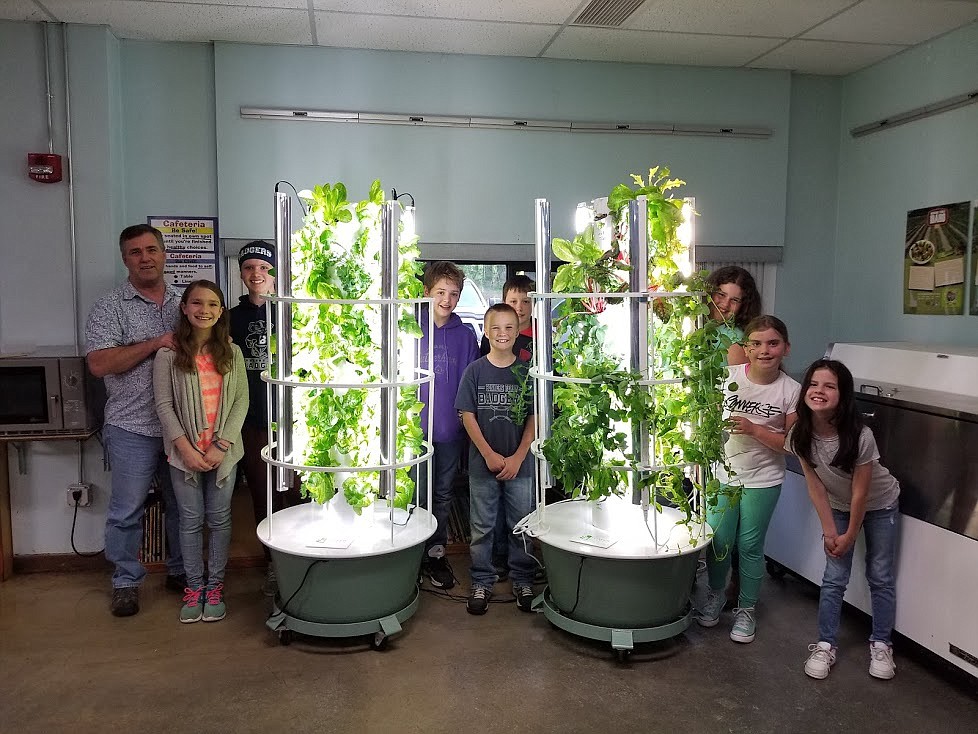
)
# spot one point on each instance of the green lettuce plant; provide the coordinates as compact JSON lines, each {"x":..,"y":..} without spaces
{"x":589,"y":448}
{"x":336,"y":255}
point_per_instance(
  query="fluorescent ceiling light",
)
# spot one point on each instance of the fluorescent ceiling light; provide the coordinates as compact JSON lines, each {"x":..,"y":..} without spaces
{"x":918,"y":113}
{"x":505,"y":123}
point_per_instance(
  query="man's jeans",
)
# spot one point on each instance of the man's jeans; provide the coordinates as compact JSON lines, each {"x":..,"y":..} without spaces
{"x":135,"y":459}
{"x":199,"y":500}
{"x":445,"y":463}
{"x":487,"y":497}
{"x":880,"y":529}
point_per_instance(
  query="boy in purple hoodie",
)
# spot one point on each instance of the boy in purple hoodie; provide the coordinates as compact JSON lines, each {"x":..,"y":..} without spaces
{"x":454,"y":347}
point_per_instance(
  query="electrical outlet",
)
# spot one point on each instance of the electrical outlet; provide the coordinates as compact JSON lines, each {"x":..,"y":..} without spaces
{"x":81,"y":494}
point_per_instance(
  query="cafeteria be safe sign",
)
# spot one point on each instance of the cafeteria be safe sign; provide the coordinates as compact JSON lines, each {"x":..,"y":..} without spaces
{"x":191,"y":248}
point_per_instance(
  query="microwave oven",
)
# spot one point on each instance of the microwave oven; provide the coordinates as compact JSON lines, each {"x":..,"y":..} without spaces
{"x":46,"y":392}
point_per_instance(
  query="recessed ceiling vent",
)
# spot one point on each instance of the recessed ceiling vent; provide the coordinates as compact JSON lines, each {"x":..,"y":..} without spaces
{"x":607,"y":13}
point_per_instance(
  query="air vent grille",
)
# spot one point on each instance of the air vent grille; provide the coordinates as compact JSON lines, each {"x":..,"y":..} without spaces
{"x":607,"y":13}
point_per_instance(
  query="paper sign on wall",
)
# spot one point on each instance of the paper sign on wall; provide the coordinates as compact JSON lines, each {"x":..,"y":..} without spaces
{"x":191,"y":248}
{"x":974,"y":262}
{"x":935,"y":248}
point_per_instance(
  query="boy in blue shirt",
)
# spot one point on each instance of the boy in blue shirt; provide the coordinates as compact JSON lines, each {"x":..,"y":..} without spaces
{"x":516,"y":293}
{"x":454,"y":347}
{"x":495,"y":399}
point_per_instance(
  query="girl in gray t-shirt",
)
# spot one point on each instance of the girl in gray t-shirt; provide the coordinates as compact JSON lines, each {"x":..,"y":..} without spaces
{"x":850,"y":490}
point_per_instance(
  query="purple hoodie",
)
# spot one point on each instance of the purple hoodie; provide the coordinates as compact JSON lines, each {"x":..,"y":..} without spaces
{"x":454,"y":348}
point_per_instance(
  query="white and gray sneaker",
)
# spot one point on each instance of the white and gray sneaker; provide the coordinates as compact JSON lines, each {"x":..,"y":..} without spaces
{"x":881,"y":663}
{"x":744,"y":625}
{"x":820,"y":661}
{"x":708,"y":614}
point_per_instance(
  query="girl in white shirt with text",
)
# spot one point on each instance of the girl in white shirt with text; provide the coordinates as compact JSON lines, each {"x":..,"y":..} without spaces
{"x":759,"y":400}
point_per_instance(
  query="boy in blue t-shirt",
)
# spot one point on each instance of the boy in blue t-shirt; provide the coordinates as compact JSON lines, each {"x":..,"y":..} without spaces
{"x":516,"y":293}
{"x":495,"y":399}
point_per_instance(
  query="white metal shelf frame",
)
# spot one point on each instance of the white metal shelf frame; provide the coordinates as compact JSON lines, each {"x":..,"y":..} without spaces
{"x":280,"y":469}
{"x":641,"y":356}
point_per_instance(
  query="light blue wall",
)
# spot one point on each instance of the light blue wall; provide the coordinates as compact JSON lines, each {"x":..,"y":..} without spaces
{"x":33,"y":216}
{"x":479,"y":185}
{"x":97,"y":160}
{"x":169,"y":141}
{"x":804,"y":288}
{"x":36,"y":304}
{"x":883,"y":175}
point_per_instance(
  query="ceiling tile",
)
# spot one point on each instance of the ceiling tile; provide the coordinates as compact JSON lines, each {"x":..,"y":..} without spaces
{"x":430,"y":34}
{"x":22,"y":10}
{"x":165,"y":21}
{"x":781,"y":18}
{"x":516,"y":11}
{"x":896,"y":21}
{"x":295,"y":4}
{"x":652,"y":47}
{"x":824,"y":57}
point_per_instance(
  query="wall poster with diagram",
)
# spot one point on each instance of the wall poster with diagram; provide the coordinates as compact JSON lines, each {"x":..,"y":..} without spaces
{"x":191,"y":248}
{"x":974,"y":262}
{"x":934,"y":255}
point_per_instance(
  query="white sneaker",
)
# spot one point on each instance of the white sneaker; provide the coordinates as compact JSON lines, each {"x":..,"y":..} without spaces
{"x":820,"y":661}
{"x":881,"y":663}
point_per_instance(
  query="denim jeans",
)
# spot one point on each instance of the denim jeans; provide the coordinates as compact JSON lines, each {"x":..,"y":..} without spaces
{"x":199,"y":500}
{"x":743,"y":526}
{"x":489,"y":496}
{"x":880,"y":529}
{"x":500,"y":542}
{"x":135,"y":459}
{"x":445,"y":463}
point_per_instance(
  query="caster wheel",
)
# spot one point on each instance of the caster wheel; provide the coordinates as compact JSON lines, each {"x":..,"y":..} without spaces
{"x":285,"y":637}
{"x":621,"y":656}
{"x":775,"y":570}
{"x":379,"y":641}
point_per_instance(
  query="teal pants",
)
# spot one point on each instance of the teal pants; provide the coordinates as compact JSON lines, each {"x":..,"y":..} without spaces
{"x":742,"y":524}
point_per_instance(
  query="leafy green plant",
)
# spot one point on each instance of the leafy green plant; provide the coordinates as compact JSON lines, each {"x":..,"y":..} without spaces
{"x":336,"y":255}
{"x":589,"y":447}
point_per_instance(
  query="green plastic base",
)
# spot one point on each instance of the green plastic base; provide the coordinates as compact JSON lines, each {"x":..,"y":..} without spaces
{"x":615,"y":593}
{"x":346,"y":597}
{"x":620,"y":639}
{"x":381,"y":629}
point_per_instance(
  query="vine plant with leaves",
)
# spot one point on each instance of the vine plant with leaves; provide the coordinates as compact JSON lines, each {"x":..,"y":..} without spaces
{"x":336,"y":255}
{"x":588,"y":450}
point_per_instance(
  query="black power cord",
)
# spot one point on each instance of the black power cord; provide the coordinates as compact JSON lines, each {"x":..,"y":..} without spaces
{"x":577,"y":598}
{"x":284,"y":608}
{"x":76,"y":496}
{"x":395,"y":196}
{"x":298,"y":198}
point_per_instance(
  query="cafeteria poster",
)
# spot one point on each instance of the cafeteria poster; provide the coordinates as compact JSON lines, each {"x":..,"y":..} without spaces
{"x":934,"y":255}
{"x":974,"y":262}
{"x":191,"y":248}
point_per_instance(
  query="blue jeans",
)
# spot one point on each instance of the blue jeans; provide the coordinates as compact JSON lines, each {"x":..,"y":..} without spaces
{"x":880,"y":528}
{"x":198,"y":500}
{"x":445,"y":463}
{"x":487,"y":497}
{"x":135,"y":459}
{"x":500,"y":542}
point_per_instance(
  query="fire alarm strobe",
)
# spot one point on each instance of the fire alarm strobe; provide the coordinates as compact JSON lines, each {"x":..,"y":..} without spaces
{"x":44,"y":167}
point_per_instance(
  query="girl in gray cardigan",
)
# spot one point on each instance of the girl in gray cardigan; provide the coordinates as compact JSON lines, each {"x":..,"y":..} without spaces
{"x":201,"y":391}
